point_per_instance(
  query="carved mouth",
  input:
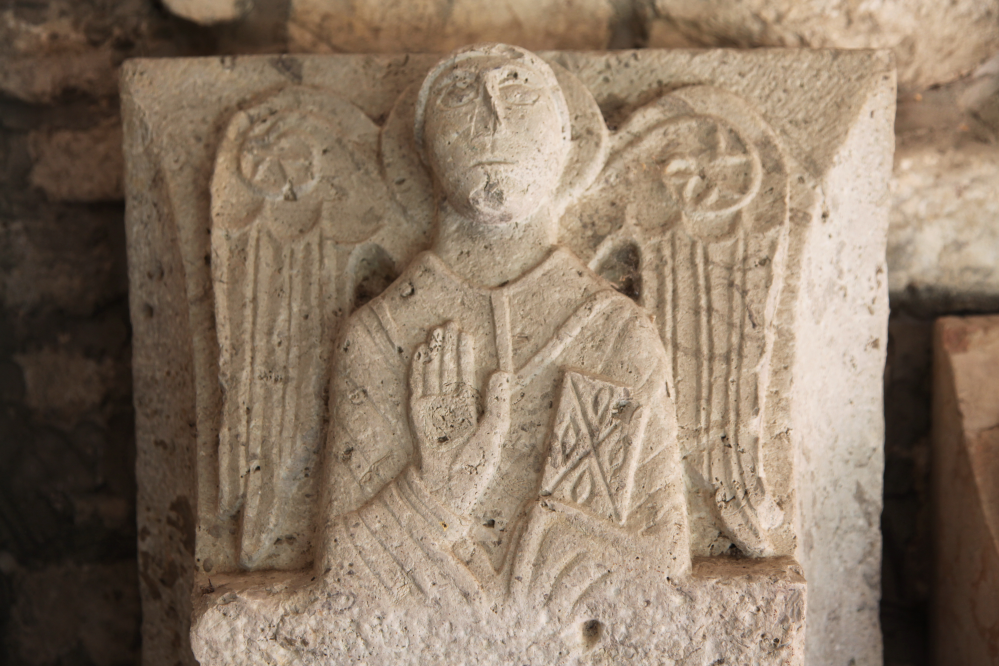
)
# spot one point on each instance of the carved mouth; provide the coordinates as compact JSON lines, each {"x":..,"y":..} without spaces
{"x":491,"y":163}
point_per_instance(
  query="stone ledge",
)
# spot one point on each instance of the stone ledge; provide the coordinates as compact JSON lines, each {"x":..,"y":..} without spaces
{"x":747,"y":611}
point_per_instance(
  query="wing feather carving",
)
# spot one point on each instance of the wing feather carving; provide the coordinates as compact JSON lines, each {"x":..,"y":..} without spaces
{"x":287,"y":221}
{"x":697,"y":182}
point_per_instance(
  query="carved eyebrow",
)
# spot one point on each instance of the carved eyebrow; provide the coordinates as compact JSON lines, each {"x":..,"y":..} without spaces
{"x":461,"y":73}
{"x":522,"y":74}
{"x":454,"y":76}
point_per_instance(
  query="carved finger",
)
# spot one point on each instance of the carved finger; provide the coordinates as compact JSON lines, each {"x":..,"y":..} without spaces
{"x":432,"y":373}
{"x":466,"y":360}
{"x":416,"y":371}
{"x":449,"y":359}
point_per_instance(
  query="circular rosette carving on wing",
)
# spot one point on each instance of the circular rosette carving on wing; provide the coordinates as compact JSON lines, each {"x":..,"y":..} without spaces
{"x":409,"y":179}
{"x":277,"y":158}
{"x":710,"y":170}
{"x":699,"y":156}
{"x":300,"y":158}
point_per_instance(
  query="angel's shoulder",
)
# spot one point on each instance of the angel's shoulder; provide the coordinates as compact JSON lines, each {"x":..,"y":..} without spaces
{"x":386,"y":322}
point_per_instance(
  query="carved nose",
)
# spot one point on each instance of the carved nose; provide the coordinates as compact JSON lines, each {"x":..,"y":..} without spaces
{"x":488,"y":115}
{"x":486,"y":121}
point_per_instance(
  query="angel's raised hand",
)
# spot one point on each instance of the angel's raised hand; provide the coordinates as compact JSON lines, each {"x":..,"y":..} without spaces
{"x":443,"y":401}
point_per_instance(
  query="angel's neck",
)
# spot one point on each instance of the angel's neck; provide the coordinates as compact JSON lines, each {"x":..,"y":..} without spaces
{"x":492,"y":255}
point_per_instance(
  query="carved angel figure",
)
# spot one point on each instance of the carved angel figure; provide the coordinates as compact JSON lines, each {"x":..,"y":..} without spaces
{"x":596,"y":310}
{"x":500,"y":416}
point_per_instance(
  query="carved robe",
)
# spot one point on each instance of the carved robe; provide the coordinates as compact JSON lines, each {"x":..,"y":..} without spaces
{"x":592,"y":456}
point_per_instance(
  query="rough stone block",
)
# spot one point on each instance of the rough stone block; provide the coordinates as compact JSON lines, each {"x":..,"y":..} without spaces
{"x":934,"y":42}
{"x":726,"y":211}
{"x":79,"y":165}
{"x":429,"y":26}
{"x":965,"y":473}
{"x":65,"y":49}
{"x":61,"y":258}
{"x":943,"y":242}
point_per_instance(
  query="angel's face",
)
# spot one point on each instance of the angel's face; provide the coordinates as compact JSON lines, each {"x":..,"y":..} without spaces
{"x":494,"y":138}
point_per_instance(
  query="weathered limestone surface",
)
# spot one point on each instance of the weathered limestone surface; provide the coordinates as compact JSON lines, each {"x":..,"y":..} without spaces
{"x":966,"y":491}
{"x":79,"y":165}
{"x":753,"y":608}
{"x":935,"y":42}
{"x":943,"y":244}
{"x":56,"y":50}
{"x":791,"y":204}
{"x":428,"y":26}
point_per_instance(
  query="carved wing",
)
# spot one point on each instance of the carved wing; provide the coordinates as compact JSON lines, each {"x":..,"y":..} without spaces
{"x":689,"y":217}
{"x":303,"y":229}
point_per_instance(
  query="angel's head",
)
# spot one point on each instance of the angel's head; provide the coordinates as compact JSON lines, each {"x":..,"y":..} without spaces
{"x":493,"y":126}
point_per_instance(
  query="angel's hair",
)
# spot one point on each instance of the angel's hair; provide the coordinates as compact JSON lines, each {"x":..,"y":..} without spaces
{"x":485,"y":51}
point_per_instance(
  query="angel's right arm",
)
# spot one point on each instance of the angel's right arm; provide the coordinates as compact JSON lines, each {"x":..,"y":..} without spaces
{"x":370,"y":439}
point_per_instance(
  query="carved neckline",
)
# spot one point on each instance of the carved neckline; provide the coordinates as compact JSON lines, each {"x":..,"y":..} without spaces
{"x":558,"y":254}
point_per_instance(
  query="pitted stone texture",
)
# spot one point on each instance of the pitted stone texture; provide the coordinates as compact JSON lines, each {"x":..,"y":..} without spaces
{"x":943,"y":250}
{"x":60,"y":50}
{"x":429,"y":26}
{"x":934,"y":42}
{"x":751,"y":612}
{"x":782,"y":209}
{"x":966,"y":490}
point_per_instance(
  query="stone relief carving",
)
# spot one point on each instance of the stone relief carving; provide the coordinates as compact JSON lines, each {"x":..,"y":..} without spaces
{"x":704,"y":245}
{"x":303,"y":231}
{"x":494,"y":332}
{"x":488,"y":354}
{"x":315,"y":211}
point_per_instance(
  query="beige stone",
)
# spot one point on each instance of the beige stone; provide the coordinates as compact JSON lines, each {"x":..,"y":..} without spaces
{"x":934,"y":42}
{"x":63,"y":48}
{"x":943,"y":243}
{"x":42,"y":79}
{"x":638,"y":250}
{"x":64,"y":386}
{"x":209,"y":12}
{"x":428,"y":26}
{"x":79,"y":165}
{"x":965,"y":472}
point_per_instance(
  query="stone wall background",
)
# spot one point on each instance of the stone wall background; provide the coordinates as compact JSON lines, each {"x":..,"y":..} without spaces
{"x":69,"y":565}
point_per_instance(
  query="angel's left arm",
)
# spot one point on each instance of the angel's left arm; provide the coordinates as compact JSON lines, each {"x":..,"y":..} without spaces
{"x":655,"y":502}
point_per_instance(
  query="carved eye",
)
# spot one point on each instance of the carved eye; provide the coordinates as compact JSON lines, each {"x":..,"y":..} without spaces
{"x":458,"y":93}
{"x":517,"y":93}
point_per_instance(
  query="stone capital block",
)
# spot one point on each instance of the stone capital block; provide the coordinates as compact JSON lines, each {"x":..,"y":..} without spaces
{"x":510,"y":357}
